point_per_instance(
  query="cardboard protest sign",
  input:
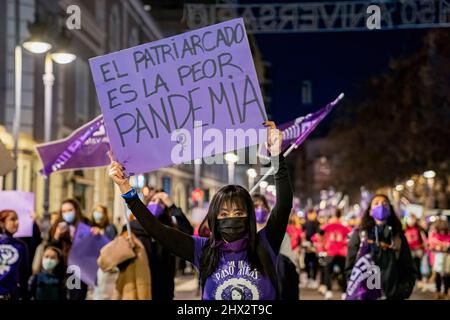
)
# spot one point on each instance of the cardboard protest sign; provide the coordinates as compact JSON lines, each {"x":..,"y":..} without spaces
{"x":86,"y":147}
{"x":85,"y":251}
{"x":7,"y":163}
{"x":23,"y":204}
{"x":172,"y":100}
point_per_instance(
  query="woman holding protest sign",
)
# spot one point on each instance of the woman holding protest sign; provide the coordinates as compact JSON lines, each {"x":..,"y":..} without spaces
{"x":380,"y":236}
{"x":235,"y":256}
{"x":13,"y":259}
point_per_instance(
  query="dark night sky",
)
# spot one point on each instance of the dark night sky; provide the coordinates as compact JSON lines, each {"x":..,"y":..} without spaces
{"x":334,"y":62}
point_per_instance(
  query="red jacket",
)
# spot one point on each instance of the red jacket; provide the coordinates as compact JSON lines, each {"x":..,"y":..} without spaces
{"x":335,"y":235}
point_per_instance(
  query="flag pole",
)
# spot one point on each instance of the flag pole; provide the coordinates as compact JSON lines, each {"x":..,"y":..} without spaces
{"x":293,"y":146}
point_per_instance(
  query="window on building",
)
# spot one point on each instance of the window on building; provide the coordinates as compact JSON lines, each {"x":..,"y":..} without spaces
{"x":114,"y":29}
{"x":306,"y":92}
{"x":134,"y":37}
{"x":81,"y":90}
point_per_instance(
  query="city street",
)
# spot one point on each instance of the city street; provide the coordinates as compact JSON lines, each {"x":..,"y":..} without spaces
{"x":186,"y":289}
{"x":254,"y":139}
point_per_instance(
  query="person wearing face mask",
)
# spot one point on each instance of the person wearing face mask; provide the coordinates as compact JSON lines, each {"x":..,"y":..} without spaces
{"x":382,"y":232}
{"x":416,"y":238}
{"x":48,"y":283}
{"x":147,"y":194}
{"x":13,"y":259}
{"x":235,"y":254}
{"x":61,"y":235}
{"x":286,"y":266}
{"x":262,"y":210}
{"x":101,"y":224}
{"x":161,"y":261}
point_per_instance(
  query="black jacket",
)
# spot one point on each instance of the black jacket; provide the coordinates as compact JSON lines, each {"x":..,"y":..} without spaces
{"x":182,"y":245}
{"x":398,"y":273}
{"x":160,"y":259}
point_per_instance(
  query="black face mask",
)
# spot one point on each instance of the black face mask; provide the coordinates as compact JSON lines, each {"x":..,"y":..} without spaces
{"x":232,"y":229}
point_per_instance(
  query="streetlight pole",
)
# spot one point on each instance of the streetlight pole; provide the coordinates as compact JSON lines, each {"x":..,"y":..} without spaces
{"x":251,"y":173}
{"x":231,"y":159}
{"x":17,"y":89}
{"x":48,"y":79}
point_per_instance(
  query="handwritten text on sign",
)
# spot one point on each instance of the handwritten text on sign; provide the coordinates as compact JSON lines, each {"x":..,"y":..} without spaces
{"x":203,"y":78}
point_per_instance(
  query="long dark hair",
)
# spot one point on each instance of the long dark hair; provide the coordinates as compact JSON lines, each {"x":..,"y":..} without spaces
{"x":257,"y":256}
{"x":368,"y":222}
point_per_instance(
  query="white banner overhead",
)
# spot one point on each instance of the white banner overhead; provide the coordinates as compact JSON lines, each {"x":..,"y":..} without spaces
{"x":326,"y":16}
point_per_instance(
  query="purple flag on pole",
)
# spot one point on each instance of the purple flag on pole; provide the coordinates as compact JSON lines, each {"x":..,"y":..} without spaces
{"x":365,"y":279}
{"x":86,"y":147}
{"x":23,"y":204}
{"x":296,"y":131}
{"x":168,"y":101}
{"x":85,"y":251}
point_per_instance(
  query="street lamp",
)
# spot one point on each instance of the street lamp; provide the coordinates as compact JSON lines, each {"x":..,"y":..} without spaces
{"x":399,"y":187}
{"x":231,"y":159}
{"x":429,"y":174}
{"x":271,"y":188}
{"x":37,"y":46}
{"x":263,"y":186}
{"x":36,"y":43}
{"x":251,"y":177}
{"x":410,"y":183}
{"x":60,"y":56}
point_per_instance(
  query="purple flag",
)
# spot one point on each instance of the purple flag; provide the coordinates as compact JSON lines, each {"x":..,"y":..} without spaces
{"x":23,"y":204}
{"x":365,"y":279}
{"x":86,"y":147}
{"x":165,"y":102}
{"x":85,"y":251}
{"x":296,"y":131}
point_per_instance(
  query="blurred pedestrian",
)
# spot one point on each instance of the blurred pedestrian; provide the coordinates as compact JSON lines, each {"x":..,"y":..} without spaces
{"x":148,"y":192}
{"x":310,"y":228}
{"x":124,"y":271}
{"x":162,"y":261}
{"x":48,"y":283}
{"x":101,"y":224}
{"x":14,"y":267}
{"x":439,"y":240}
{"x":61,"y":235}
{"x":388,"y":248}
{"x":288,"y":278}
{"x":32,"y":242}
{"x":417,"y":240}
{"x":335,"y":243}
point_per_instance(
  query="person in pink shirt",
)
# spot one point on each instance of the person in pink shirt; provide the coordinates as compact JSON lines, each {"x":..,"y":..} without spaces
{"x":416,"y":238}
{"x":335,"y":243}
{"x":439,"y":244}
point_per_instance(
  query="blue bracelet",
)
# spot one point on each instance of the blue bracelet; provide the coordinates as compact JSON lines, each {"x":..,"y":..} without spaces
{"x":130,"y":194}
